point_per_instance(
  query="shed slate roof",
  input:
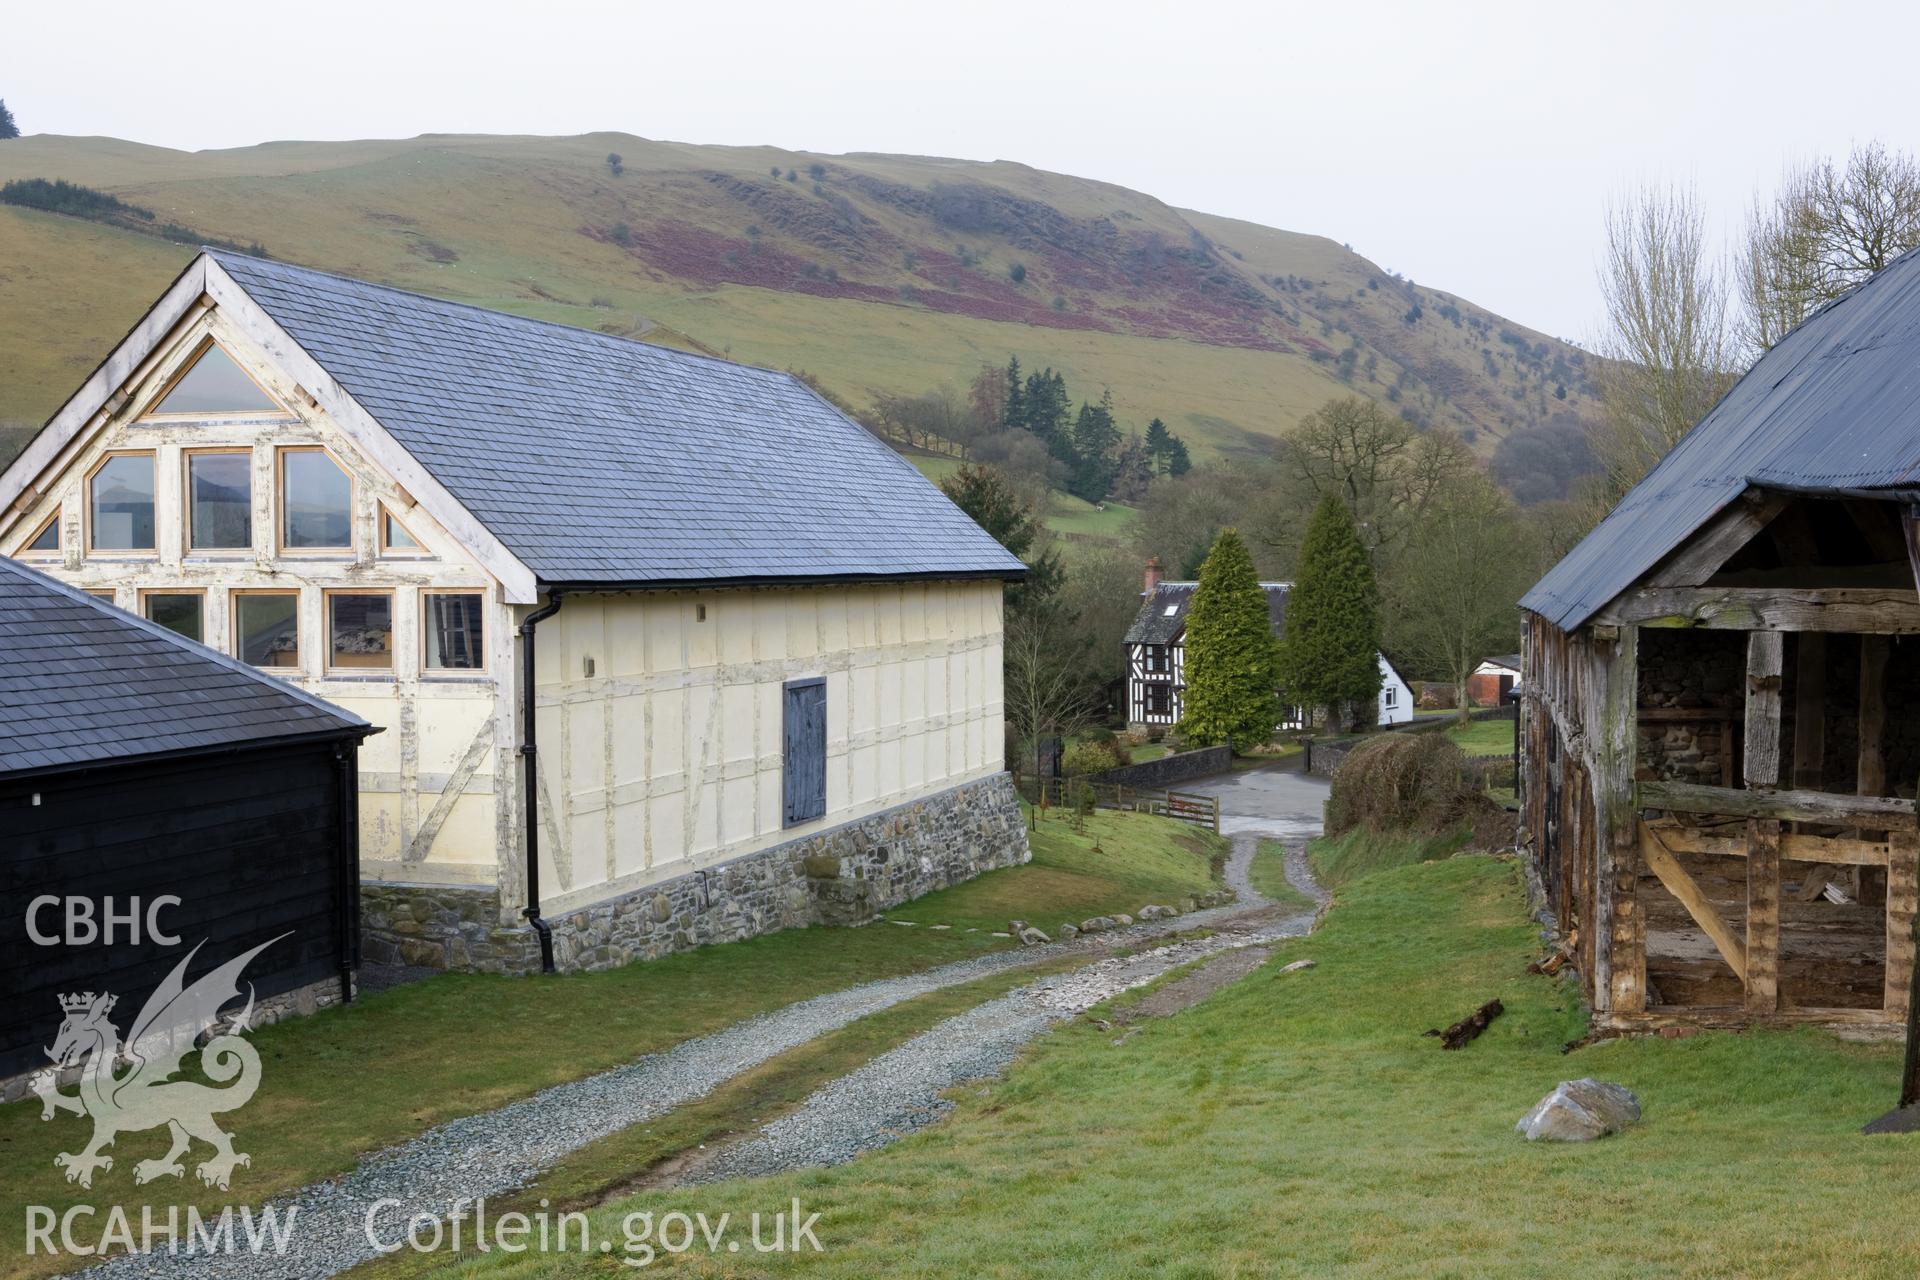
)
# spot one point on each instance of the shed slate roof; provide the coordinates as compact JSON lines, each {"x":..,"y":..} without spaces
{"x":83,"y":683}
{"x":1835,"y":406}
{"x":602,"y":460}
{"x":1154,"y":625}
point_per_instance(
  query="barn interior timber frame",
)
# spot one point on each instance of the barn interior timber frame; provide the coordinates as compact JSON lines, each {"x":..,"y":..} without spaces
{"x":1721,"y":765}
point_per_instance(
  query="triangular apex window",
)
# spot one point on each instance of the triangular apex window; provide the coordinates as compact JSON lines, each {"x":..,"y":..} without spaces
{"x":47,"y":540}
{"x":395,"y":538}
{"x":215,"y":384}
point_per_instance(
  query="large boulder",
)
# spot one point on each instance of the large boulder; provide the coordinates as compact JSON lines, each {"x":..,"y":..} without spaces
{"x":1032,"y":937}
{"x":1580,"y":1111}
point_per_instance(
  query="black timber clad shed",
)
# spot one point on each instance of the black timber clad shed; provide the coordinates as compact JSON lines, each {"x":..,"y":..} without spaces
{"x":136,"y":764}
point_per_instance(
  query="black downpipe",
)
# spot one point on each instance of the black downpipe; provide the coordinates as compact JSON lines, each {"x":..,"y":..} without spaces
{"x":530,"y":777}
{"x":346,"y":781}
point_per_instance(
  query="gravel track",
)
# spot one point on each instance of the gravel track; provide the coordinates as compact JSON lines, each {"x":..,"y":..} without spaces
{"x":501,"y":1150}
{"x":901,"y":1090}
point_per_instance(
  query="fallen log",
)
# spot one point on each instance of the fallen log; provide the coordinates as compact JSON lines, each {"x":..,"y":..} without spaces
{"x":1463,"y":1032}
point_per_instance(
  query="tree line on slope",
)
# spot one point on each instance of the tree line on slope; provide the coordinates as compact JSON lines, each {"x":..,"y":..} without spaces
{"x":1028,"y":428}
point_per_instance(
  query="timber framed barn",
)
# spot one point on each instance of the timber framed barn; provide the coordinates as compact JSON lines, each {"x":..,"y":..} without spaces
{"x":668,"y":650}
{"x":1721,"y":697}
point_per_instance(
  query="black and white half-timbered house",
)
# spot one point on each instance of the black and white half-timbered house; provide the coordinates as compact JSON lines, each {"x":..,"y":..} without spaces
{"x":1156,"y":658}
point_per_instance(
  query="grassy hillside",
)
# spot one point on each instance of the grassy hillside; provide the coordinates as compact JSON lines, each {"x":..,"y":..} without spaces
{"x":878,"y":273}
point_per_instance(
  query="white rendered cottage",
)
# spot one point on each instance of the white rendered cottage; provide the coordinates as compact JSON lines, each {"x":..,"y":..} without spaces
{"x":1156,"y":657}
{"x":762,"y":653}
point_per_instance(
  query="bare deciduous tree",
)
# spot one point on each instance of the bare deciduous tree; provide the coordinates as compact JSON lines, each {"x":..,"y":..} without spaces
{"x":1829,"y":228}
{"x":1453,"y":589}
{"x":1668,"y":349}
{"x":1385,"y":471}
{"x":1047,"y":692}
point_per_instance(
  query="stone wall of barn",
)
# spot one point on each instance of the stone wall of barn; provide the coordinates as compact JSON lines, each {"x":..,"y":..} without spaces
{"x":842,"y":875}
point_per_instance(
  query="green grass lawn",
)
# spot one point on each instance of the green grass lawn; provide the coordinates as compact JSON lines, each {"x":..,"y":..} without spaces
{"x":461,"y":1043}
{"x":1301,"y":1124}
{"x":1148,"y":751}
{"x":1337,"y":860}
{"x":1483,"y":737}
{"x":1119,"y":862}
{"x":1269,"y":876}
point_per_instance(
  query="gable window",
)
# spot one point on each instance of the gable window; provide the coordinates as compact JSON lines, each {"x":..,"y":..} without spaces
{"x":266,"y":628}
{"x":359,"y":631}
{"x":316,"y":501}
{"x":181,"y":611}
{"x":804,"y":781}
{"x":46,"y":540}
{"x":219,"y":501}
{"x":1157,"y":661}
{"x":394,"y":538}
{"x":120,"y":503}
{"x":1159,"y":699}
{"x":214,"y":384}
{"x":1389,"y":696}
{"x":451,"y":630}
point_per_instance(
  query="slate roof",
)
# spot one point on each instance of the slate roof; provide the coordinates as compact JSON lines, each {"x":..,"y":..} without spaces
{"x":1834,"y":407}
{"x":601,"y":460}
{"x":83,"y":683}
{"x":1154,"y":625}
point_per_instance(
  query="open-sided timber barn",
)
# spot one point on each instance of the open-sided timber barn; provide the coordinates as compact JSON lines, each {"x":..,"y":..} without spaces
{"x":1722,"y":697}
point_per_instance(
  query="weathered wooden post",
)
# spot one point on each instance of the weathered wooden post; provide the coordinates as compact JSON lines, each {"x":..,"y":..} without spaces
{"x":1903,"y":873}
{"x":1761,"y":772}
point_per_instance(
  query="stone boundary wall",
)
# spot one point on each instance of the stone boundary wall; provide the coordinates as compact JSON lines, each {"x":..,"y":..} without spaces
{"x":1168,"y":771}
{"x":841,"y":876}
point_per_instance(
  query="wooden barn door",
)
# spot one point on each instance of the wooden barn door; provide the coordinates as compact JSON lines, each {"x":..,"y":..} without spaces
{"x":806,"y":750}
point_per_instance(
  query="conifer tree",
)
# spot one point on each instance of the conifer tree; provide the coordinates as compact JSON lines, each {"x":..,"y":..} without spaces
{"x":1232,"y":666}
{"x":1329,"y":647}
{"x":1016,"y":411}
{"x":8,"y":129}
{"x":1159,"y":442}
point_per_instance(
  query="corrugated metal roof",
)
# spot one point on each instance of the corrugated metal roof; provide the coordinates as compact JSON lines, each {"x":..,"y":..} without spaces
{"x":600,"y":460}
{"x":83,"y":683}
{"x":1834,"y":406}
{"x":1163,"y":614}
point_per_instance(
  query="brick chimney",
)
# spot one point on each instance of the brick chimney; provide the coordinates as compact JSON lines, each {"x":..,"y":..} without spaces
{"x":1153,"y":576}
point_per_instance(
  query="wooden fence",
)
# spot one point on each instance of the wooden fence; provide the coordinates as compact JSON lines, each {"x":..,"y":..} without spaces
{"x":1182,"y":806}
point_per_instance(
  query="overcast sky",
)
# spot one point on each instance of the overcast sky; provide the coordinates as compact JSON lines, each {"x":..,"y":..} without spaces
{"x":1470,"y":146}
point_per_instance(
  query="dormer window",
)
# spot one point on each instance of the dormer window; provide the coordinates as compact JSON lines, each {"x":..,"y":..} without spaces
{"x":215,"y":385}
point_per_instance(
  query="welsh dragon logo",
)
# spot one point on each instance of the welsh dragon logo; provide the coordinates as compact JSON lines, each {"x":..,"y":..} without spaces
{"x":145,"y":1095}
